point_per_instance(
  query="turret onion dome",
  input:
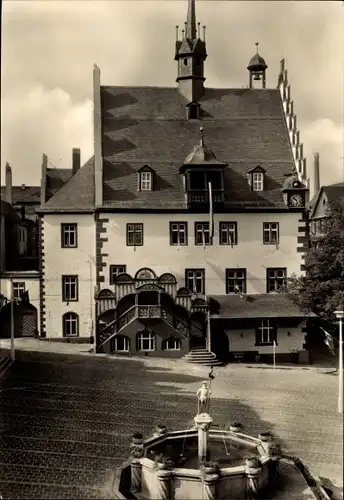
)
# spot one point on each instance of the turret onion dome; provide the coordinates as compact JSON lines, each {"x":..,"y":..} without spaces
{"x":257,"y":63}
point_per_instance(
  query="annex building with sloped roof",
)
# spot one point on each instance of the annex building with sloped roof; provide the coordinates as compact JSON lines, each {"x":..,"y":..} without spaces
{"x":182,"y":229}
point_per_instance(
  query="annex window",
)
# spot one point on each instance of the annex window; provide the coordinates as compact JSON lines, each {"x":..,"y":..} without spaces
{"x":115,"y":270}
{"x":266,"y":333}
{"x":146,"y":341}
{"x":70,"y":324}
{"x":235,"y":280}
{"x":202,"y":233}
{"x":258,"y":181}
{"x":135,"y":234}
{"x":70,"y":288}
{"x":195,"y":280}
{"x":18,"y":288}
{"x":178,"y":233}
{"x":228,"y":233}
{"x":171,"y":344}
{"x":270,"y":233}
{"x":22,"y":240}
{"x":121,"y":343}
{"x":275,"y":279}
{"x":69,"y":236}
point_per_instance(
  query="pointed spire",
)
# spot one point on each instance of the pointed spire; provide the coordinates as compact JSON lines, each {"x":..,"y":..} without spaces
{"x":191,"y":31}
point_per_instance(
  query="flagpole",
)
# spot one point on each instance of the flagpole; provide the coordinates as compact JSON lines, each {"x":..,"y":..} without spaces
{"x":340,"y":315}
{"x":12,"y":323}
{"x":274,"y":353}
{"x":211,"y":213}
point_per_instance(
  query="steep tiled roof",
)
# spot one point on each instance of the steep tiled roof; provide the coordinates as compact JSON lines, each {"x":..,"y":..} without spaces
{"x":76,"y":194}
{"x":55,"y":179}
{"x":257,"y":306}
{"x":24,"y":194}
{"x":7,"y":210}
{"x":148,"y":125}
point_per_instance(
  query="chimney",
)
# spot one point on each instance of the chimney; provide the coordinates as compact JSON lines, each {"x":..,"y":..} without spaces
{"x":316,"y":174}
{"x":8,"y":180}
{"x":76,"y":161}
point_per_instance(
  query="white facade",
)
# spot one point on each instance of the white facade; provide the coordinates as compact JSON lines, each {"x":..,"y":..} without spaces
{"x":78,"y":261}
{"x":250,"y":253}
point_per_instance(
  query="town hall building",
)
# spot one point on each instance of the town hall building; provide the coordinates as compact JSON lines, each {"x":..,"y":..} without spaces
{"x":181,"y":231}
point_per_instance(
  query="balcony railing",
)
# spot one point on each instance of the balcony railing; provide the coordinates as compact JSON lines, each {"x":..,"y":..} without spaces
{"x":202,"y":196}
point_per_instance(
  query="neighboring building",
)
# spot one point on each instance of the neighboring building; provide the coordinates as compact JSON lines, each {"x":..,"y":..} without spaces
{"x":320,"y":206}
{"x":139,"y":255}
{"x":18,"y":281}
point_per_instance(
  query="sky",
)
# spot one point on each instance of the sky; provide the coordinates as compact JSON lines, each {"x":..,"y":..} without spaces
{"x":49,"y":48}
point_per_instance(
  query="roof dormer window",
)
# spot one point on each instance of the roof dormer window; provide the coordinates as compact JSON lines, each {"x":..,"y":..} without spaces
{"x":257,"y":181}
{"x":256,"y":178}
{"x":145,"y":179}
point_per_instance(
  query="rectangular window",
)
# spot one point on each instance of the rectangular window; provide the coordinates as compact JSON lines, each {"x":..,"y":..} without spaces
{"x":228,"y":233}
{"x":195,"y":280}
{"x":178,"y":233}
{"x":266,"y":333}
{"x":235,"y":280}
{"x":146,"y":342}
{"x":69,"y":236}
{"x":258,"y":181}
{"x":115,"y":270}
{"x":146,"y":181}
{"x":270,"y":233}
{"x":202,"y":233}
{"x":70,"y":288}
{"x":135,"y":235}
{"x":275,"y":279}
{"x":18,"y":289}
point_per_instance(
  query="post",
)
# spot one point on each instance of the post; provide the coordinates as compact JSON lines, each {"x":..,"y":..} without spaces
{"x":208,"y":331}
{"x":12,"y":323}
{"x":340,"y":314}
{"x":274,"y":353}
{"x":92,"y":333}
{"x":340,"y":388}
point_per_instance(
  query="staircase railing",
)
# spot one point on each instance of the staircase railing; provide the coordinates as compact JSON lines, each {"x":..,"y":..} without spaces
{"x":138,"y":311}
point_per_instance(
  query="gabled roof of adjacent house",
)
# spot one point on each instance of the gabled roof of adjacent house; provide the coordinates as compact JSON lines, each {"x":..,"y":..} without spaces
{"x":149,"y":126}
{"x":76,"y":193}
{"x":258,"y":306}
{"x":24,"y":194}
{"x":55,"y":179}
{"x":334,"y":192}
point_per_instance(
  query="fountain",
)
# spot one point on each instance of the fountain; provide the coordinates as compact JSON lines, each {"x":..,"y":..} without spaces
{"x":203,"y":462}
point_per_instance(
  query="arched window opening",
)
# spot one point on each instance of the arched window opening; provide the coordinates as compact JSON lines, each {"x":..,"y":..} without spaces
{"x":70,"y":325}
{"x":171,"y":344}
{"x":121,"y":344}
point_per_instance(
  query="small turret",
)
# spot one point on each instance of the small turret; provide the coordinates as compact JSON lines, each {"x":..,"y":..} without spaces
{"x":257,"y":68}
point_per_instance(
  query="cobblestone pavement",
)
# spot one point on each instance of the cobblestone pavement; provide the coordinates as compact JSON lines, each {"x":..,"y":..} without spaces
{"x":66,"y":421}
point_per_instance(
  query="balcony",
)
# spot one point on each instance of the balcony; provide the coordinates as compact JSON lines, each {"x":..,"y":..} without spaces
{"x":202,"y":196}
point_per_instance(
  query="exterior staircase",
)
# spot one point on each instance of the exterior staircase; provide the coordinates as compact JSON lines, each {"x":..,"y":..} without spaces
{"x":202,"y":356}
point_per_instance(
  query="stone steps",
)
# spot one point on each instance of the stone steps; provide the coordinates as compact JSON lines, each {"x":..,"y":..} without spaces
{"x":202,"y":356}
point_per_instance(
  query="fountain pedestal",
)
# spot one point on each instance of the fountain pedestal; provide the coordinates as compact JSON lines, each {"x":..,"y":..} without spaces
{"x":203,"y":422}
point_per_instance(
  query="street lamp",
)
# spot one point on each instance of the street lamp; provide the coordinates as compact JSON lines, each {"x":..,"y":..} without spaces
{"x":340,"y":316}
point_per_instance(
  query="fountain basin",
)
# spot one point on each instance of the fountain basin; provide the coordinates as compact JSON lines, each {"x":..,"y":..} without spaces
{"x":167,"y":466}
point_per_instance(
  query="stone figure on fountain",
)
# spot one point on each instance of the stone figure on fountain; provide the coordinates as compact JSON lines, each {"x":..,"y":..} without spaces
{"x":203,"y":396}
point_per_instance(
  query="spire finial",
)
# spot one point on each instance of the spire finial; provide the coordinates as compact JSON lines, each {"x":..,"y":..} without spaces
{"x":202,"y":135}
{"x":257,"y":45}
{"x":190,"y":29}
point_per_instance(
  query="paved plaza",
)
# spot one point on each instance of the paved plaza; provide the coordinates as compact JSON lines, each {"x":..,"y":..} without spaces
{"x":66,"y":420}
